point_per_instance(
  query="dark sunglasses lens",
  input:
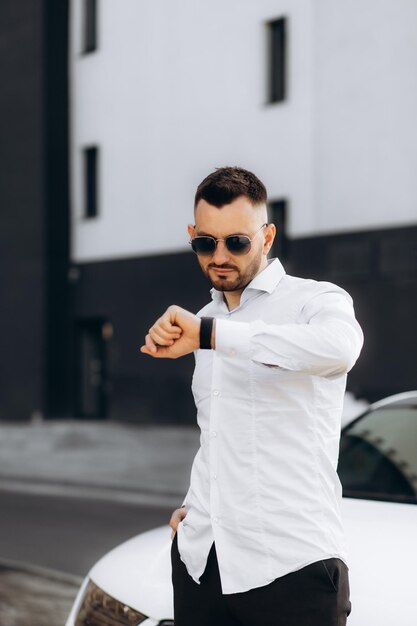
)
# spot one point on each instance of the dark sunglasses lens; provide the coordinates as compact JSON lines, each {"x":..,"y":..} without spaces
{"x":238,"y":244}
{"x":203,"y":245}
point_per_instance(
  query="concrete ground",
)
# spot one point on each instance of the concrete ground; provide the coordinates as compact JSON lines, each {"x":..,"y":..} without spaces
{"x":34,"y":596}
{"x":106,"y":460}
{"x":98,"y":459}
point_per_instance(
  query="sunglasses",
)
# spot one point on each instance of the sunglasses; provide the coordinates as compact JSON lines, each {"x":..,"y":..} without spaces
{"x":205,"y":245}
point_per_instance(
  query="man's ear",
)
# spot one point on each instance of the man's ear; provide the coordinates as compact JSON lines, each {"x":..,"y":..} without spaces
{"x":191,"y":230}
{"x":269,"y":236}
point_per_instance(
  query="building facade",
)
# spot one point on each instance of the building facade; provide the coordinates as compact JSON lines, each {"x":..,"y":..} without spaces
{"x":317,"y":99}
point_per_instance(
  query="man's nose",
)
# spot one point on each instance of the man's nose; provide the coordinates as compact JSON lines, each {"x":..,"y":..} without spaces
{"x":221,"y":254}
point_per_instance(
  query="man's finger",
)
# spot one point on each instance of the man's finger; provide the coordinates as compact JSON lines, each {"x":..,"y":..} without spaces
{"x":168,"y":327}
{"x":157,"y":329}
{"x":160,"y":352}
{"x":150,"y":344}
{"x":166,"y":334}
{"x":159,"y":339}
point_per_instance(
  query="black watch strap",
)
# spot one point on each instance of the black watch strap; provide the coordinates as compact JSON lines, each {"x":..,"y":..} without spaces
{"x":206,"y":328}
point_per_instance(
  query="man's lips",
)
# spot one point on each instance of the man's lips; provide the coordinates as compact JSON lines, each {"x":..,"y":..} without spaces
{"x":222,"y":270}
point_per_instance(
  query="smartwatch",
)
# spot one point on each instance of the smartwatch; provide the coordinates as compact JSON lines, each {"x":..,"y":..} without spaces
{"x":206,"y":329}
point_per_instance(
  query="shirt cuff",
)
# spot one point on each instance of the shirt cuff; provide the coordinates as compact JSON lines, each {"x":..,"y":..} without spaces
{"x":233,"y":339}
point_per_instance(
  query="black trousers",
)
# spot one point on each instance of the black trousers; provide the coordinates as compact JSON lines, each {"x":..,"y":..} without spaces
{"x":316,"y":595}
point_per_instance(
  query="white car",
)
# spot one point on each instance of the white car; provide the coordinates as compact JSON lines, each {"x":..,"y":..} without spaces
{"x":131,"y":585}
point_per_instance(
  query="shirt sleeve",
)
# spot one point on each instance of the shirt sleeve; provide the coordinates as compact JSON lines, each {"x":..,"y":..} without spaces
{"x":325,"y":341}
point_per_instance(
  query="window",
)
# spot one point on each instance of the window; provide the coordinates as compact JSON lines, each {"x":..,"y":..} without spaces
{"x":89,"y":25}
{"x":90,"y":181}
{"x":277,"y":59}
{"x":378,"y":455}
{"x":278,"y":215}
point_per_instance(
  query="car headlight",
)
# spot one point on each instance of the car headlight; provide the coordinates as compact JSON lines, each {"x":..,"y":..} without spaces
{"x":99,"y":609}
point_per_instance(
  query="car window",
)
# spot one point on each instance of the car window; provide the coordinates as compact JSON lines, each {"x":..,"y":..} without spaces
{"x":378,"y":455}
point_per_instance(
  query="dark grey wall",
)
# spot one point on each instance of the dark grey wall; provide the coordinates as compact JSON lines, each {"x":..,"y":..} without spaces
{"x":131,"y":294}
{"x":378,"y":268}
{"x":33,"y":207}
{"x":58,"y":339}
{"x":22,"y":263}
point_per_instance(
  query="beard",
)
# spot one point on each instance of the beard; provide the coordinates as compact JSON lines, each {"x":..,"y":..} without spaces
{"x":239,"y":282}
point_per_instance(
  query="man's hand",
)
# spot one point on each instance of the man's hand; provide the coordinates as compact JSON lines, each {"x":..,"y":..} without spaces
{"x":177,"y":516}
{"x":174,"y":334}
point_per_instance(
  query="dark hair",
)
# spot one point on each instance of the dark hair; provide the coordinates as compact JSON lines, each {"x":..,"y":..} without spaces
{"x":226,"y":184}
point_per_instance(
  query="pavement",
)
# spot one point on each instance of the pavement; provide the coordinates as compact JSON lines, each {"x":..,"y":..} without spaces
{"x":35,"y":596}
{"x":91,"y":459}
{"x":110,"y":460}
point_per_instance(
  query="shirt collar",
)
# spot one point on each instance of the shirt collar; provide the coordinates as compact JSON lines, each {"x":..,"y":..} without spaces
{"x":266,"y":280}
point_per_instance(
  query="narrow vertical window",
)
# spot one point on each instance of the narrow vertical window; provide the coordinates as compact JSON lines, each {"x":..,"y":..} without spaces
{"x":90,"y":182}
{"x":278,"y":215}
{"x":277,"y":51}
{"x":89,"y":25}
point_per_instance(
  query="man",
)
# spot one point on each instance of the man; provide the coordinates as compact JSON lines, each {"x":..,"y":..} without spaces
{"x":259,"y":539}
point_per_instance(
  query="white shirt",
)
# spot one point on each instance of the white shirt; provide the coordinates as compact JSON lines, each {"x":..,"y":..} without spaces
{"x":269,"y":399}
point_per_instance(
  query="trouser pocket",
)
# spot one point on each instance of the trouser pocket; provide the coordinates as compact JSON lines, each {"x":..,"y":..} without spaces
{"x":332,"y":570}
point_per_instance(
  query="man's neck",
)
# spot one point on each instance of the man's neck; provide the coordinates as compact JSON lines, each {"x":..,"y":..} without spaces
{"x":232,"y":298}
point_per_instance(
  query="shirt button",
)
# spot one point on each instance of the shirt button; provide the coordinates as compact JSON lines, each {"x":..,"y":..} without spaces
{"x":213,"y":432}
{"x":215,"y":476}
{"x":216,"y":392}
{"x":215,"y":520}
{"x":232,"y":352}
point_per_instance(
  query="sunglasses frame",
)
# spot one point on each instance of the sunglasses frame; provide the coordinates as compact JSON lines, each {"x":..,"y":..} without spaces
{"x":246,"y":251}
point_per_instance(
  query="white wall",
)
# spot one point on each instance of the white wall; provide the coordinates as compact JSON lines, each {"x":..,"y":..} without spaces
{"x":365,"y":114}
{"x":177,"y":88}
